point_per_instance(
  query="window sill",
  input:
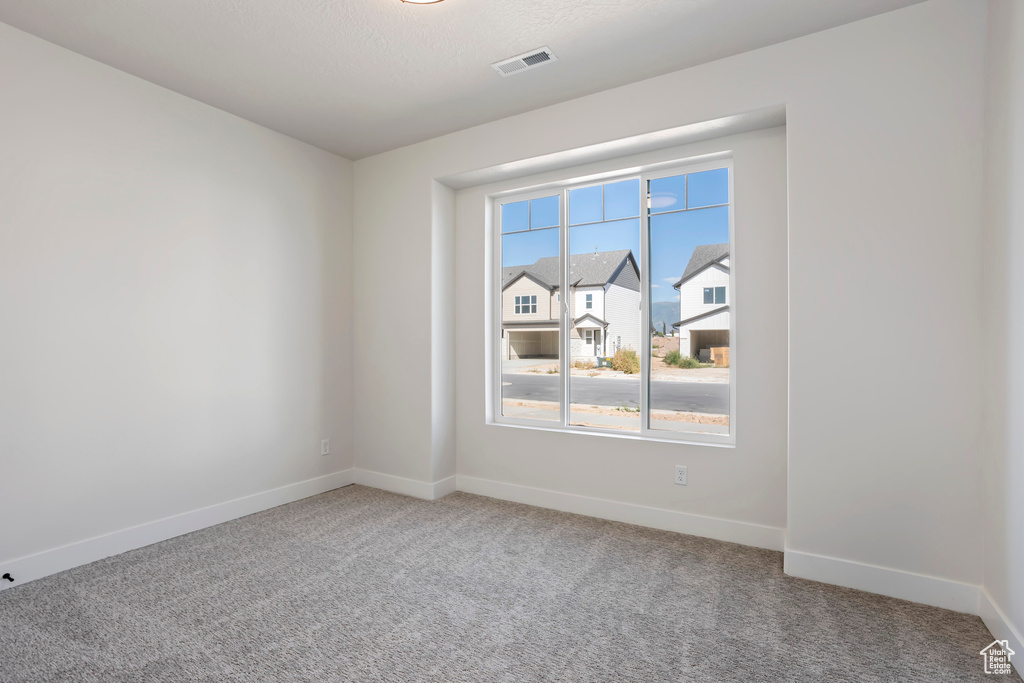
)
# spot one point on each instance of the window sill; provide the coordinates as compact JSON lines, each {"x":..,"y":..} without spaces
{"x":712,"y":440}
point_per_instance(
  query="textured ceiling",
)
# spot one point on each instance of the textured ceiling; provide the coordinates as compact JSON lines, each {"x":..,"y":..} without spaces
{"x":359,"y":77}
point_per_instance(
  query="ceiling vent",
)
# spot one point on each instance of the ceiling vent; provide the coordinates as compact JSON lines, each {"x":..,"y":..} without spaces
{"x":524,"y":62}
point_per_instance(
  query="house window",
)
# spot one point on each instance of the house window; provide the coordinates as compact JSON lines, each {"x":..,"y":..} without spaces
{"x":526,"y":304}
{"x":649,"y":243}
{"x":714,"y":295}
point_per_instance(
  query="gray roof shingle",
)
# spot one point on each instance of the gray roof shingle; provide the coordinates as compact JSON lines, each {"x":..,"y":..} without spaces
{"x":703,"y":254}
{"x":585,"y":270}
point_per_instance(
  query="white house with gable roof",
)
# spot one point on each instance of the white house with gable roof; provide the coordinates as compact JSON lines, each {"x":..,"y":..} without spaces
{"x":704,"y":300}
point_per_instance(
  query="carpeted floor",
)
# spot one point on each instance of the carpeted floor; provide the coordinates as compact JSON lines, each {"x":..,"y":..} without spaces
{"x":358,"y":584}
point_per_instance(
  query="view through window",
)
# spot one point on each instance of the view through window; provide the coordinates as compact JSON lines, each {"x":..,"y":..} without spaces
{"x":642,"y":341}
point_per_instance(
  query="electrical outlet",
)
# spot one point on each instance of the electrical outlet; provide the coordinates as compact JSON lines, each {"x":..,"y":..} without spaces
{"x":681,"y":475}
{"x":325,"y":447}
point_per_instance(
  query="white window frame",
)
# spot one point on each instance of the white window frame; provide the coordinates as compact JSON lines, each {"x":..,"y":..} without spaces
{"x":714,"y":295}
{"x":645,"y":174}
{"x":588,"y":301}
{"x":530,"y":303}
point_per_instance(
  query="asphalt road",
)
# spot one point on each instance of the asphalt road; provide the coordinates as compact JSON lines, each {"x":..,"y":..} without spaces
{"x":697,"y":397}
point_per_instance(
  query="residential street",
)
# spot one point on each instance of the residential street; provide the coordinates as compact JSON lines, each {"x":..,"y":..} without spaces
{"x":697,"y":397}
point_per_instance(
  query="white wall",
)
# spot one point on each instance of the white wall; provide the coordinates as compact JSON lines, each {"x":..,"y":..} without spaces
{"x":883,"y":117}
{"x":622,"y":306}
{"x":579,"y":302}
{"x":442,"y":334}
{"x":1004,"y":340}
{"x":175,"y":300}
{"x":719,"y":321}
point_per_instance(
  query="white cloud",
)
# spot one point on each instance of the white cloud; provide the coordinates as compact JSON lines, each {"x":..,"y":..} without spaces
{"x":655,"y":286}
{"x":669,"y":279}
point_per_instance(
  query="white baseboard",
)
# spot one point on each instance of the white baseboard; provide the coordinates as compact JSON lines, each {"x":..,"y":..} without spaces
{"x":927,"y":590}
{"x":407,"y":487}
{"x":1001,"y":627}
{"x":32,"y":567}
{"x":445,"y":486}
{"x":759,"y":536}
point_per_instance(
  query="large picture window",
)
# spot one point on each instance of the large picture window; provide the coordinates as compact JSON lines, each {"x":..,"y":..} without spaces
{"x":642,"y":341}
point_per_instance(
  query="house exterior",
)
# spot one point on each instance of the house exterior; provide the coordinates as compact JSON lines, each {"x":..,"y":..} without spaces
{"x":704,"y":300}
{"x":604,"y":294}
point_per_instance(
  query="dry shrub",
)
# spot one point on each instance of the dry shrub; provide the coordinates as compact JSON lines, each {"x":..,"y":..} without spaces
{"x":626,"y":360}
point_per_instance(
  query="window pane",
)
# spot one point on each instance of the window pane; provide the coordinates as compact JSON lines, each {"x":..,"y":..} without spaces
{"x":689,"y":382}
{"x":605,"y":323}
{"x":544,"y":212}
{"x":529,"y":325}
{"x":708,"y":188}
{"x":622,"y":199}
{"x":585,"y":205}
{"x":515,"y":216}
{"x":668,"y":194}
{"x":526,"y":247}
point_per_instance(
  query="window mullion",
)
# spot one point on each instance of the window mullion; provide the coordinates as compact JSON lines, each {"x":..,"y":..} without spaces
{"x":645,"y":311}
{"x":564,"y":308}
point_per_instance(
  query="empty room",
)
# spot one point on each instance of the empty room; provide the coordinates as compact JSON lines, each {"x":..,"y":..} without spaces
{"x":511,"y":340}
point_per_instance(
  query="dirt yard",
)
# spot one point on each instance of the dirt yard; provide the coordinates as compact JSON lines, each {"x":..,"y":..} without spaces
{"x":659,"y":371}
{"x":663,"y":345}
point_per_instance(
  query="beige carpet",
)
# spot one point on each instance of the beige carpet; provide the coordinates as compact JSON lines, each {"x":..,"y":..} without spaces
{"x":362,"y":585}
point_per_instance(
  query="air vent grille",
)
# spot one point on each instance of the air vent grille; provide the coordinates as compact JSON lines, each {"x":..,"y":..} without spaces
{"x":537,"y":58}
{"x":525,"y":61}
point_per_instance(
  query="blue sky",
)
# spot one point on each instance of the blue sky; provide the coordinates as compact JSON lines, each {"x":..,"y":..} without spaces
{"x":615,"y":223}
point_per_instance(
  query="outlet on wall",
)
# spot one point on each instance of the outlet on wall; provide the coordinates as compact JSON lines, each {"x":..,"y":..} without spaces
{"x":325,"y":447}
{"x":681,"y":475}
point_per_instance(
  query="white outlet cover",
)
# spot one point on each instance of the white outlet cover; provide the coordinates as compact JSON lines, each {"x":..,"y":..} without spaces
{"x":681,"y":475}
{"x":325,"y":447}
